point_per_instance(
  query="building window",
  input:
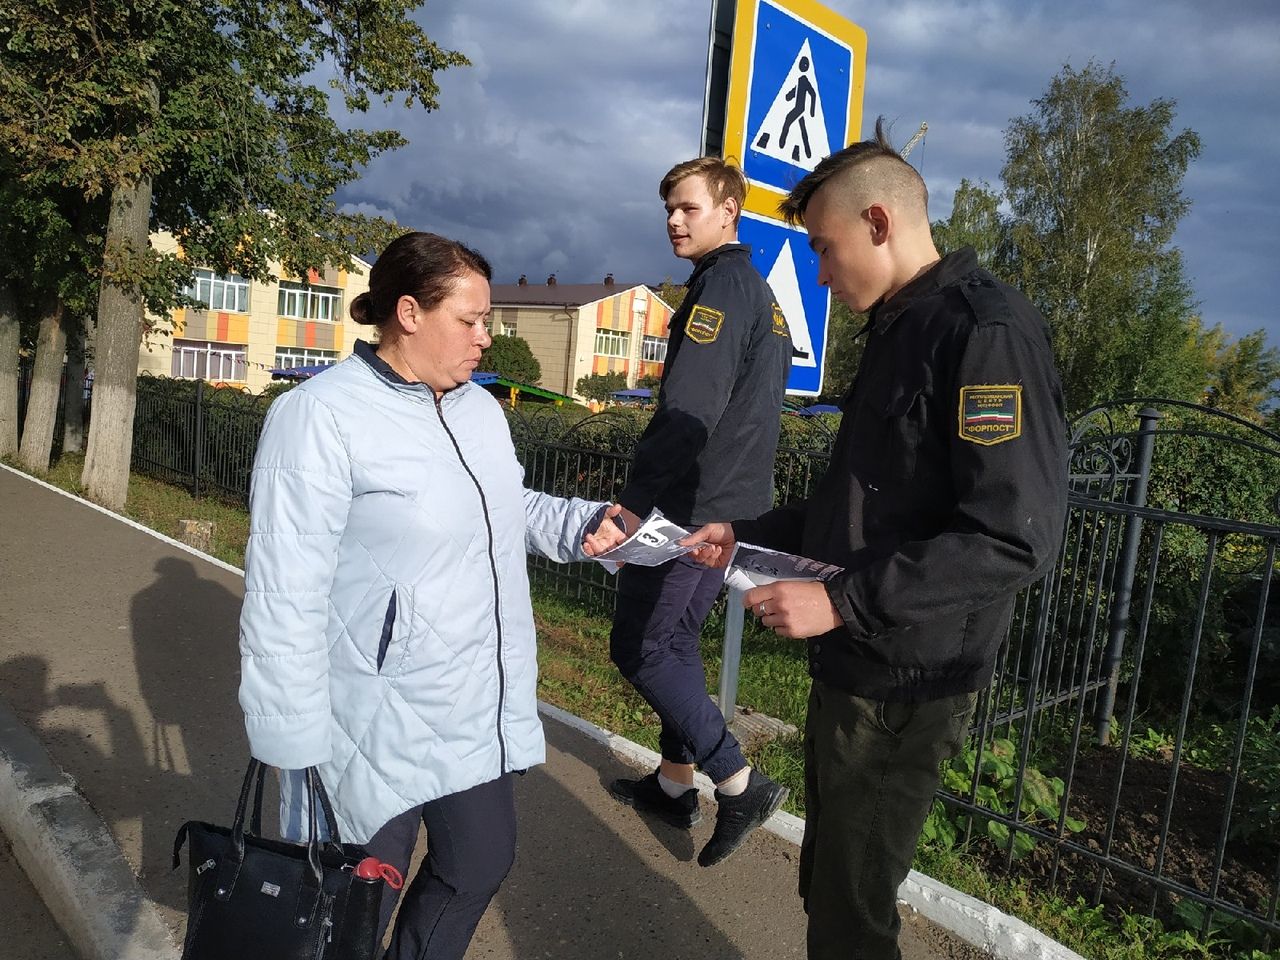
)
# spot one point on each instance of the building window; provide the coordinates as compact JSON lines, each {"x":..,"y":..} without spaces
{"x":219,"y":293}
{"x":654,"y":349}
{"x":203,"y":360}
{"x":289,"y":357}
{"x":301,"y":302}
{"x":507,"y":328}
{"x":612,"y":343}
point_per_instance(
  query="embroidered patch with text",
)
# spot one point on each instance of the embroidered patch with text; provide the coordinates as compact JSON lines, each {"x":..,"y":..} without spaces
{"x":703,"y":325}
{"x":780,"y":323}
{"x":990,"y":413}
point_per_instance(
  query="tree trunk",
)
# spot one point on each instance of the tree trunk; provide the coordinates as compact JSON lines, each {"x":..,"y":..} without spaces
{"x":115,"y":365}
{"x":8,"y":371}
{"x":73,"y":406}
{"x":46,"y":379}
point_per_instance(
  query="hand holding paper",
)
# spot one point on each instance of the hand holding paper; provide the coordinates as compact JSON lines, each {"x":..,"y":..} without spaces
{"x":653,"y":542}
{"x":712,"y":544}
{"x":793,"y":608}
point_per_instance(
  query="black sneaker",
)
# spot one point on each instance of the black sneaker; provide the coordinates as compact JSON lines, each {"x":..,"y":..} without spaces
{"x":739,"y":815}
{"x":647,"y":795}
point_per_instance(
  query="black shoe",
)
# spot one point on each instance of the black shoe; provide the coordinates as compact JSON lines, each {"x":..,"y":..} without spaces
{"x":739,"y":815}
{"x":647,"y":795}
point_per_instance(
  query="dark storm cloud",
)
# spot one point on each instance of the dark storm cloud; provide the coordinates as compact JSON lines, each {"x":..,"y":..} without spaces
{"x":546,"y":153}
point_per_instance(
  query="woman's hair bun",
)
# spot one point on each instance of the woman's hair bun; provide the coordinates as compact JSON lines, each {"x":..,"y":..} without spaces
{"x":359,"y":309}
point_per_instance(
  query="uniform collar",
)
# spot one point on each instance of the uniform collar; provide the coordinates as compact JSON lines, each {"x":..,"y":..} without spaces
{"x":942,"y":274}
{"x":726,"y":249}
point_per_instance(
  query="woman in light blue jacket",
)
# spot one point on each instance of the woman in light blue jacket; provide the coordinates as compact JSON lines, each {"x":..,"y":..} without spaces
{"x":387,"y":636}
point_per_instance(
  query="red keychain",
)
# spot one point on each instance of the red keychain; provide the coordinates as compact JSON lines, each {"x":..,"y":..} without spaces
{"x":371,"y":868}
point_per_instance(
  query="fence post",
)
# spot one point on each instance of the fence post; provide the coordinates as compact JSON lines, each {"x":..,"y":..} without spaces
{"x":1128,"y":565}
{"x":197,"y":460}
{"x":731,"y":660}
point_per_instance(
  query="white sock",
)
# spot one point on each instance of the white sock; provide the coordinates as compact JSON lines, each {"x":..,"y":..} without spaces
{"x":671,"y":788}
{"x":736,"y":784}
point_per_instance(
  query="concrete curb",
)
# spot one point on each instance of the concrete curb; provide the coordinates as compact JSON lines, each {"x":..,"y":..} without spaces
{"x":70,"y":857}
{"x":975,"y":922}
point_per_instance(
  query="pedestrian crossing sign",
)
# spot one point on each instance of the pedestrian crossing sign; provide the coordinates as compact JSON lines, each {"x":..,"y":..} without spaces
{"x":795,"y":93}
{"x":782,"y":255}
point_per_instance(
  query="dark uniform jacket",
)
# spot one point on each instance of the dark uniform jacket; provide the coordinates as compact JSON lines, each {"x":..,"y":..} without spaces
{"x":946,"y":491}
{"x":707,"y":454}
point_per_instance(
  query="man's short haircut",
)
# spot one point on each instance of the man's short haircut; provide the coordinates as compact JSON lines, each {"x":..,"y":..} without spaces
{"x":724,"y":180}
{"x":870,"y":171}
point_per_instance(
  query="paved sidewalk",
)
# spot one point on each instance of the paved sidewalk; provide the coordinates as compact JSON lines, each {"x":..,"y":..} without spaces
{"x":118,"y":651}
{"x":30,"y":932}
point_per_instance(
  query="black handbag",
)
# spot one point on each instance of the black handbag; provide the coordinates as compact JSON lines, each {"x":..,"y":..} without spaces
{"x":249,"y":897}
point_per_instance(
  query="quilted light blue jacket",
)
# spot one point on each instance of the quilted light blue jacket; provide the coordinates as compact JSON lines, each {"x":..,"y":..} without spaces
{"x":386,"y":633}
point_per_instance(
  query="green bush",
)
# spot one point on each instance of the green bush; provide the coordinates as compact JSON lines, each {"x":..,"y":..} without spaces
{"x":1040,"y":803}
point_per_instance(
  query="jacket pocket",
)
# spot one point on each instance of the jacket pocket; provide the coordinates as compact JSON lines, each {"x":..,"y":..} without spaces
{"x":388,"y":630}
{"x":888,"y":432}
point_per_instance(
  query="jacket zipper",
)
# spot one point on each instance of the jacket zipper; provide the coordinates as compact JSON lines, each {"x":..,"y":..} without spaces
{"x":493,"y":568}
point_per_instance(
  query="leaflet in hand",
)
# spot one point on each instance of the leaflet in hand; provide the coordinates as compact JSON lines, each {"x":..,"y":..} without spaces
{"x":653,"y":543}
{"x":753,"y":566}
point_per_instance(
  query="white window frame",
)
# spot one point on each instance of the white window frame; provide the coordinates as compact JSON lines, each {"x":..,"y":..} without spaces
{"x":209,"y":360}
{"x":653,"y":349}
{"x":612,"y":343}
{"x":299,"y":301}
{"x":507,"y":328}
{"x":289,"y":357}
{"x":229,"y":293}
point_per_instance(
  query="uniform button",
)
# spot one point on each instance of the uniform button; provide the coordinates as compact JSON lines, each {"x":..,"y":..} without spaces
{"x":817,"y":648}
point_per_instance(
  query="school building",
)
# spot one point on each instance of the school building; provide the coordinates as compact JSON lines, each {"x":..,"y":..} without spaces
{"x":246,"y":329}
{"x":576,"y":329}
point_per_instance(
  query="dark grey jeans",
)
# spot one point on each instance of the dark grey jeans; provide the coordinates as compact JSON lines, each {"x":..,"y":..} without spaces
{"x":471,"y":844}
{"x":871,"y":769}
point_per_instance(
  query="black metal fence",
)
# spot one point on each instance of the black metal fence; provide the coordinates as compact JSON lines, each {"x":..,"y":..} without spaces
{"x":201,"y":437}
{"x":1128,"y":748}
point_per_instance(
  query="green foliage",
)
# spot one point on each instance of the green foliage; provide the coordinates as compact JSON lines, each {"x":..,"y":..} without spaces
{"x":997,"y":785}
{"x":511,"y":357}
{"x":1256,"y":816}
{"x":844,"y":349}
{"x":275,"y":388}
{"x":600,"y":386}
{"x":1245,"y":940}
{"x":1213,"y":477}
{"x":1244,"y":375}
{"x":95,"y":99}
{"x":976,"y":222}
{"x":651,"y":382}
{"x":672,"y":293}
{"x":1095,"y":191}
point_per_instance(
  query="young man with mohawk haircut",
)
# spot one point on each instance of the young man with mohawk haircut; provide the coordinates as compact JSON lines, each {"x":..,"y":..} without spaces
{"x":945,"y":495}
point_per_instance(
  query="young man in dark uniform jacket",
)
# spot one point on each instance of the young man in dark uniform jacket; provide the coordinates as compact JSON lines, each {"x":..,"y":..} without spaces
{"x":945,"y":495}
{"x":707,"y":453}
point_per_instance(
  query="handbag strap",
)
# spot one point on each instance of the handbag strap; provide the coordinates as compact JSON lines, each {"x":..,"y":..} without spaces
{"x":330,"y":820}
{"x":255,"y":820}
{"x":311,"y":889}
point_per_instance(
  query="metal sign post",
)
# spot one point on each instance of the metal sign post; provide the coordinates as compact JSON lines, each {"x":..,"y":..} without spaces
{"x":731,"y":661}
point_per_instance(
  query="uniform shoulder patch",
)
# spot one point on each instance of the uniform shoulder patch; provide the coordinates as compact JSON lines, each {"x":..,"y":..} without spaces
{"x":990,"y":413}
{"x":780,"y":323}
{"x":704,"y":323}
